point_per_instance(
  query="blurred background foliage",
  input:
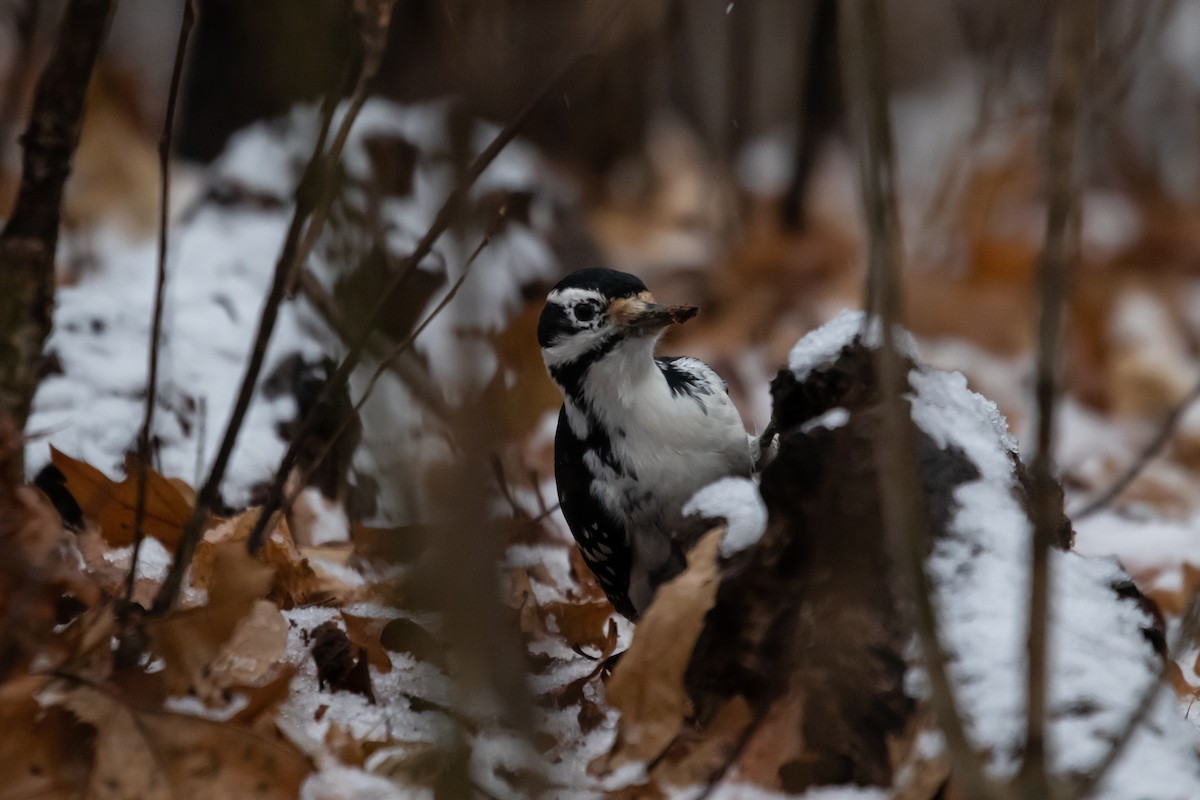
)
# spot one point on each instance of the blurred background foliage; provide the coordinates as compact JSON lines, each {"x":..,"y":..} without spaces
{"x":706,"y":144}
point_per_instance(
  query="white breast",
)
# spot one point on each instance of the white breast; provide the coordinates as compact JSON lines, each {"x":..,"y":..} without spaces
{"x":672,"y":445}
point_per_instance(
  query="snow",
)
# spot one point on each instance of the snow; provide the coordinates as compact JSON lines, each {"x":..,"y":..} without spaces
{"x":822,"y":345}
{"x":222,"y":256}
{"x":1099,"y":658}
{"x":831,"y":420}
{"x":340,"y":783}
{"x":737,"y":501}
{"x":1141,"y":543}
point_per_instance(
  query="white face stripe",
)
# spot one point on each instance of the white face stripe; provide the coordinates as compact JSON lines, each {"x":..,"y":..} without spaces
{"x":585,"y":336}
{"x":573,"y":295}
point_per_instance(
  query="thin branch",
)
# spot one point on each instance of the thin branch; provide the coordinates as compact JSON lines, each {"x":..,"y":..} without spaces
{"x":906,"y":518}
{"x":410,"y":372}
{"x":164,"y":207}
{"x":1189,"y":626}
{"x":1149,"y":453}
{"x":262,"y":525}
{"x":30,"y":238}
{"x":449,"y":210}
{"x":1058,"y":254}
{"x":308,"y":194}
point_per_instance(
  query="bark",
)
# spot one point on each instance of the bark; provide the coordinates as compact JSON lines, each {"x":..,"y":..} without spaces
{"x":30,"y":238}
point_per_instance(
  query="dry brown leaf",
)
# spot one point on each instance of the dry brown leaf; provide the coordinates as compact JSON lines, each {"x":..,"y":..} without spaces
{"x":43,"y":754}
{"x":647,"y":685}
{"x":166,"y":756}
{"x":365,"y":633}
{"x":112,"y":505}
{"x":192,"y":642}
{"x":41,"y":580}
{"x":340,"y":667}
{"x":1171,"y":602}
{"x":295,"y":581}
{"x":255,"y":647}
{"x":584,"y":624}
{"x":402,"y":635}
{"x":262,"y":700}
{"x":522,"y":598}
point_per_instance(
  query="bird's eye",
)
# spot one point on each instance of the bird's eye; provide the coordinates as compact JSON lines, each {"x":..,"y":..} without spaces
{"x":585,"y":312}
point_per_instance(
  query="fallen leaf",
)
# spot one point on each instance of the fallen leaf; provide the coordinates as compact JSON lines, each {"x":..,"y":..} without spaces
{"x":41,"y":578}
{"x":193,"y":641}
{"x":46,"y":753}
{"x":112,"y":505}
{"x":585,"y":624}
{"x":159,"y":755}
{"x":402,"y":635}
{"x":338,"y":665}
{"x":295,"y":582}
{"x":647,"y":684}
{"x":262,"y":700}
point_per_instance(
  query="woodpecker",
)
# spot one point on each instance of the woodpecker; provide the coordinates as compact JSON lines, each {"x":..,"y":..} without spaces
{"x":637,"y":435}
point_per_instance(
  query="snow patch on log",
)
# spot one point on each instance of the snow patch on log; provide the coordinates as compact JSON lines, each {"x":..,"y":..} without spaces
{"x":737,"y":501}
{"x":822,"y":346}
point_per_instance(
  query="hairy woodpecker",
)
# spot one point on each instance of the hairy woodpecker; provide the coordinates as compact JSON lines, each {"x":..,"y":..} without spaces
{"x":637,"y":435}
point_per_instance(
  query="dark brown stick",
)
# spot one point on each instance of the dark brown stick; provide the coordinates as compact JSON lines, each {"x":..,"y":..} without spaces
{"x":307,"y":196}
{"x":1058,"y":254}
{"x":906,"y":517}
{"x":164,"y":209}
{"x":449,"y":210}
{"x":30,"y":238}
{"x":1149,"y":452}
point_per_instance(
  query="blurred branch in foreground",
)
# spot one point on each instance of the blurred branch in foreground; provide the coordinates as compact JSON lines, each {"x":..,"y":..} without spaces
{"x":30,"y":239}
{"x":905,"y":516}
{"x":1060,"y":251}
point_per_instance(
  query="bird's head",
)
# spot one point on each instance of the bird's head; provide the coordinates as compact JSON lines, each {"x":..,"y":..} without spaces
{"x":594,"y":312}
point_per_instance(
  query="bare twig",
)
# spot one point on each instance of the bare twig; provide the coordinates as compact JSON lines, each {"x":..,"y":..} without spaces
{"x":308,"y":195}
{"x":30,"y":238}
{"x":1189,"y":626}
{"x":906,"y":517}
{"x":1149,"y":453}
{"x":410,"y":372}
{"x":164,"y":209}
{"x":1058,"y":254}
{"x":449,"y":210}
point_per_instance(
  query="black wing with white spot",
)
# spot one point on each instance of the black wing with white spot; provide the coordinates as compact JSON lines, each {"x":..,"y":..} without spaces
{"x":603,"y":540}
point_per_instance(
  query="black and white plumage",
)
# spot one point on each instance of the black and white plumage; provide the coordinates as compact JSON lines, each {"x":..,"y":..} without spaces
{"x":637,"y":435}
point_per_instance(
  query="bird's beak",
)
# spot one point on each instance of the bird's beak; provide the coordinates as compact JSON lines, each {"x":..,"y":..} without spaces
{"x":641,"y":316}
